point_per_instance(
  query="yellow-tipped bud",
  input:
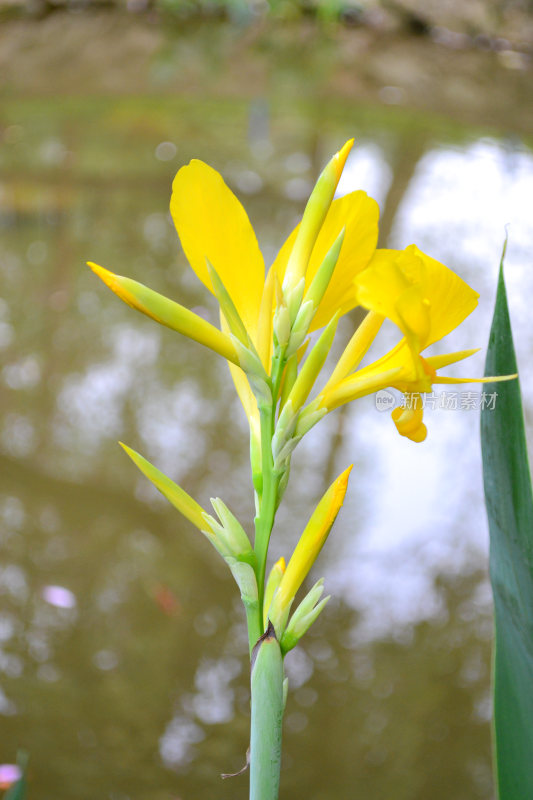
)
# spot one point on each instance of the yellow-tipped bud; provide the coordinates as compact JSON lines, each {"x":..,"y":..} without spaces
{"x":174,"y":493}
{"x":168,"y":313}
{"x":314,"y":215}
{"x":274,"y":579}
{"x":306,"y":551}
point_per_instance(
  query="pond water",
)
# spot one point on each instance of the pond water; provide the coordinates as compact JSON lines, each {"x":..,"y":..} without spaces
{"x":123,"y":648}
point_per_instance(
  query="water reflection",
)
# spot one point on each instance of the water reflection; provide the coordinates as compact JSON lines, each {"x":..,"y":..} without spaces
{"x":122,"y":644}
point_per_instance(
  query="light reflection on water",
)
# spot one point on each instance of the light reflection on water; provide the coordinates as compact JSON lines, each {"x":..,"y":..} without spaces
{"x":148,"y":662}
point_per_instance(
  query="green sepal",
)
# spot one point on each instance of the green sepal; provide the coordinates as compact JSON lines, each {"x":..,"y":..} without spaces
{"x":246,"y":580}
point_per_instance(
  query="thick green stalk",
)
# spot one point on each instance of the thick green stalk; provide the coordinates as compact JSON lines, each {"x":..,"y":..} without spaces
{"x":267,"y":715}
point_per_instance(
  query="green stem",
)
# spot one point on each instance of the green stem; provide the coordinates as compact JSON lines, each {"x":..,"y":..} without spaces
{"x":267,"y":714}
{"x":265,"y":519}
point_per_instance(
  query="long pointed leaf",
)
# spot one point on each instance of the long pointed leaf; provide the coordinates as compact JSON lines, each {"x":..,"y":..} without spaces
{"x":510,"y":511}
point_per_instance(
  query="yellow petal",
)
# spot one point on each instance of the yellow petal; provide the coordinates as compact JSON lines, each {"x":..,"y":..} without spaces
{"x":408,"y":420}
{"x":359,"y":214}
{"x":419,"y":294}
{"x":437,"y":362}
{"x":211,"y":223}
{"x":244,"y":391}
{"x":493,"y":379}
{"x":264,"y":328}
{"x":356,"y":348}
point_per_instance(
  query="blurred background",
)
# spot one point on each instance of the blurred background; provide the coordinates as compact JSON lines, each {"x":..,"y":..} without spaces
{"x":122,"y":640}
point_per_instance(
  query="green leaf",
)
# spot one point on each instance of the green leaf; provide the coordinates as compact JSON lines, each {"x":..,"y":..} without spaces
{"x":510,"y":512}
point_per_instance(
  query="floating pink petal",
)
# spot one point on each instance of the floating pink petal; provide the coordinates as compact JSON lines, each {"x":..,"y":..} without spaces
{"x":59,"y":596}
{"x":9,"y":774}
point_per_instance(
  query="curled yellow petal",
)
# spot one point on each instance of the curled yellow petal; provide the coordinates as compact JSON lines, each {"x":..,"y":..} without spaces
{"x":408,"y":420}
{"x":423,"y":297}
{"x":167,"y":312}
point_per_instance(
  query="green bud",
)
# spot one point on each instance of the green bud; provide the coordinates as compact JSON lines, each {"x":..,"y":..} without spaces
{"x":261,"y":389}
{"x":274,"y":579}
{"x":304,"y":616}
{"x":283,"y":481}
{"x":300,"y":328}
{"x":312,"y":366}
{"x":284,"y":428}
{"x":293,"y":298}
{"x":313,"y":218}
{"x":282,"y":459}
{"x":249,"y":361}
{"x":291,"y":373}
{"x":308,"y":418}
{"x":245,"y":579}
{"x":282,"y":325}
{"x":235,"y":534}
{"x":216,"y":534}
{"x":322,"y":277}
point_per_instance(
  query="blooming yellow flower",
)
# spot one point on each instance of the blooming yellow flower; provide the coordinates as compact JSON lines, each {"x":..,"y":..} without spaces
{"x":426,"y":300}
{"x":213,"y":226}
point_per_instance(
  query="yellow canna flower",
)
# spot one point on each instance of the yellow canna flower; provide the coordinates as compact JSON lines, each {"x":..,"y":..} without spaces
{"x":306,"y":551}
{"x":426,"y":300}
{"x":214,"y":228}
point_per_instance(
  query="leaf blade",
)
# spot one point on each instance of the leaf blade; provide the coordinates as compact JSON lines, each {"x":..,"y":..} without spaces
{"x":509,"y":503}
